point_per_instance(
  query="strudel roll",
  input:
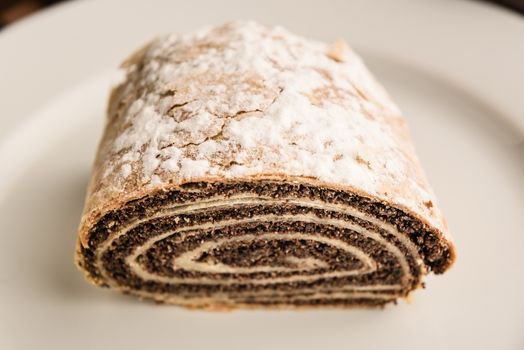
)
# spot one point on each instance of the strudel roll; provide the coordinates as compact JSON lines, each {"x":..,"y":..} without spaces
{"x":244,"y":166}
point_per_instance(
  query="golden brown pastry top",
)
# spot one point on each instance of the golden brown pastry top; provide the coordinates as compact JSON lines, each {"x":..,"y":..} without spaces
{"x":243,"y":101}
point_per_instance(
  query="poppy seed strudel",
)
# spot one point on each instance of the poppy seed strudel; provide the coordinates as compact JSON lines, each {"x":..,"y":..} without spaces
{"x":244,"y":166}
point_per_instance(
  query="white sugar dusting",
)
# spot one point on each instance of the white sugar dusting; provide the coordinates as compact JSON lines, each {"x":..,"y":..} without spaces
{"x":243,"y":99}
{"x":125,"y":170}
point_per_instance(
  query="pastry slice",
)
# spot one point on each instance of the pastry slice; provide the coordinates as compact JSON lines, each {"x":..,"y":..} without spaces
{"x":244,"y":166}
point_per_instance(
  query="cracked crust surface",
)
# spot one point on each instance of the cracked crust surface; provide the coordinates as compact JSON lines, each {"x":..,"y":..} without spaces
{"x":242,"y":101}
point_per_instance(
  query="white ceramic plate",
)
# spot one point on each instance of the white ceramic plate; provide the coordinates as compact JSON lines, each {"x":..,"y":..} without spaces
{"x":455,"y":67}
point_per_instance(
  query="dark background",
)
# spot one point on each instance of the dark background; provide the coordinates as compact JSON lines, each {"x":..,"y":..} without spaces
{"x":12,"y":10}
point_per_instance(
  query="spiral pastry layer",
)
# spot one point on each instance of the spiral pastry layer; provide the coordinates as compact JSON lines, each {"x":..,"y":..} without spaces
{"x":261,"y":243}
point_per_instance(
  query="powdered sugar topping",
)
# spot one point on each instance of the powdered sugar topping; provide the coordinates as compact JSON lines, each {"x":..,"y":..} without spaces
{"x":243,"y":99}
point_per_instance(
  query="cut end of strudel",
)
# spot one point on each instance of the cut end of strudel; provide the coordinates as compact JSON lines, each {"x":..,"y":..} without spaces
{"x":244,"y":166}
